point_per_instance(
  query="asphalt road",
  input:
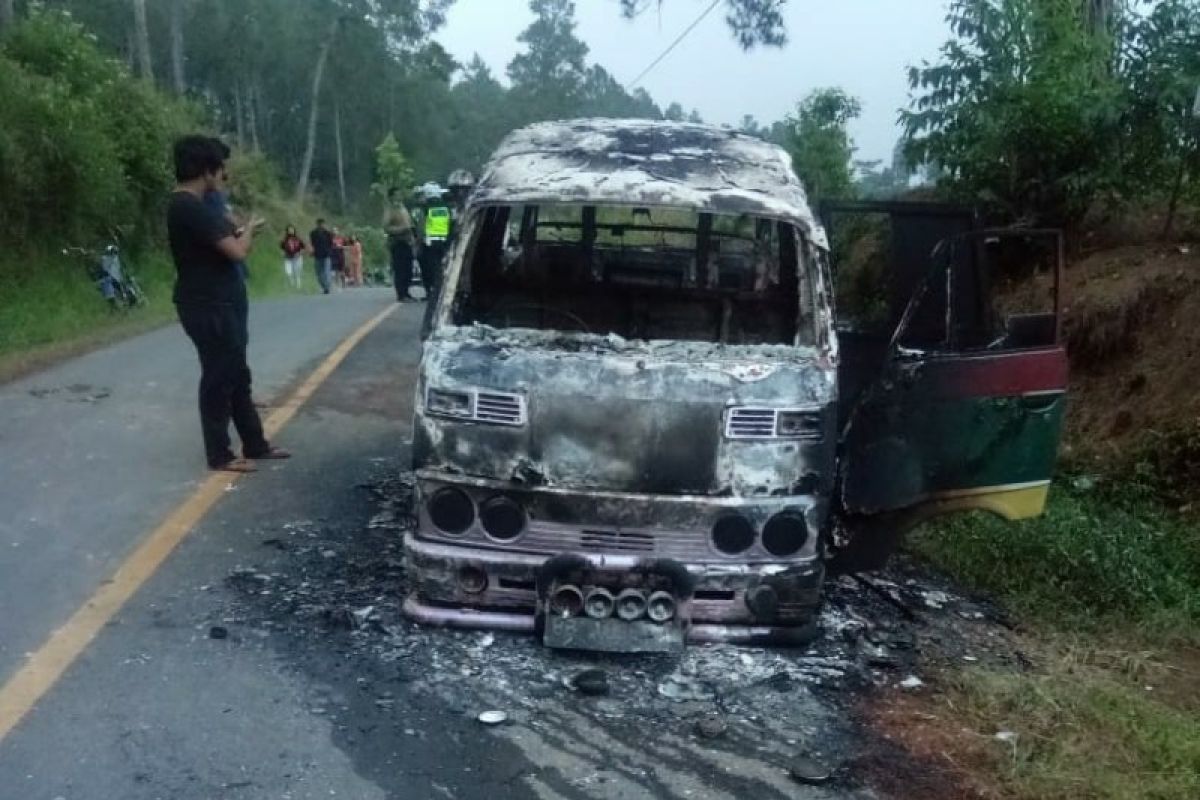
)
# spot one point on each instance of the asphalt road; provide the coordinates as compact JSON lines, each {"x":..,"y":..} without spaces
{"x":292,"y":704}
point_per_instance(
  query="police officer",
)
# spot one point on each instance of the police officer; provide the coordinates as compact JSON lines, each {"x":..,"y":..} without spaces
{"x":436,"y":224}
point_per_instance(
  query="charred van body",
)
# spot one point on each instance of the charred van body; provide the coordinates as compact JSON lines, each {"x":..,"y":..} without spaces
{"x":627,"y":427}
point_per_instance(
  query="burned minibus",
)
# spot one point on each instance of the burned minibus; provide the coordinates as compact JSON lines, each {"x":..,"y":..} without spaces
{"x":632,"y":425}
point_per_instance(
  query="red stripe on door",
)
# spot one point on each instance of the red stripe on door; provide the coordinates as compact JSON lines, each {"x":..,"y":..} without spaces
{"x":1002,"y":374}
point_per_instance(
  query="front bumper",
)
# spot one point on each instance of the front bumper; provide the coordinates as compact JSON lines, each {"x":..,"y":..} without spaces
{"x":471,"y":579}
{"x":719,"y":610}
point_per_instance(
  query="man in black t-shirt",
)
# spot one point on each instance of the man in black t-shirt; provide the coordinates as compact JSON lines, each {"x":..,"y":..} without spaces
{"x":209,"y":295}
{"x":321,"y":239}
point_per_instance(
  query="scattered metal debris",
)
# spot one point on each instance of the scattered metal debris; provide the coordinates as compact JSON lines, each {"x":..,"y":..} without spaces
{"x":809,"y":771}
{"x":711,"y":727}
{"x":593,"y":682}
{"x":493,"y":717}
{"x":760,"y":702}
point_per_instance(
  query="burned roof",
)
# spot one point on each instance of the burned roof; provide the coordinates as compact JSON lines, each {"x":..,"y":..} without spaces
{"x":645,"y":162}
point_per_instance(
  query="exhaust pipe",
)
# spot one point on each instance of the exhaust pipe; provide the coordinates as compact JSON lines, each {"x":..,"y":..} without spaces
{"x":599,"y":603}
{"x":631,"y":604}
{"x":567,"y":601}
{"x":661,"y":607}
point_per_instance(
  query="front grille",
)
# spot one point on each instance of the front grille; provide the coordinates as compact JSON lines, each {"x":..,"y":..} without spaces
{"x":549,"y":539}
{"x":751,"y":423}
{"x":748,"y":422}
{"x":501,"y":409}
{"x":617,"y":541}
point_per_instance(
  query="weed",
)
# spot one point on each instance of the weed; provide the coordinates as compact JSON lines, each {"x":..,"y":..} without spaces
{"x":1096,"y":557}
{"x":1080,"y":732}
{"x":1166,"y":463}
{"x":1110,"y":583}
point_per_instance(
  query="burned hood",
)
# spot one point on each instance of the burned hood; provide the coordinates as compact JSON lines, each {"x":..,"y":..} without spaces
{"x":605,"y":414}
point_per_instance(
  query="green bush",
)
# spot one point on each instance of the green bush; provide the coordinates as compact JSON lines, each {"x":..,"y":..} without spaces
{"x":85,"y":152}
{"x":84,"y":146}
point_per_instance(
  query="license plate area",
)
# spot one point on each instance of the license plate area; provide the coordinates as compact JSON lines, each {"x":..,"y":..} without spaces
{"x":644,"y":609}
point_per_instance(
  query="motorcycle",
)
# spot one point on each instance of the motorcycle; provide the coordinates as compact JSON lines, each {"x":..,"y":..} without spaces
{"x":113,"y":279}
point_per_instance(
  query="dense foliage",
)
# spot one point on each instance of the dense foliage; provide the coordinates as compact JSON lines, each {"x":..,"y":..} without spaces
{"x":753,"y":22}
{"x":820,"y":144}
{"x":83,"y":144}
{"x":1039,"y":108}
{"x":317,"y":85}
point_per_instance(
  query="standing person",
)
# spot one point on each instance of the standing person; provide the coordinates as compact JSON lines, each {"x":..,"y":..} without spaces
{"x":218,"y":200}
{"x":209,"y":293}
{"x":354,"y":261}
{"x":293,"y":248}
{"x":322,"y":249}
{"x":338,"y":257}
{"x":436,"y":237}
{"x":401,"y":244}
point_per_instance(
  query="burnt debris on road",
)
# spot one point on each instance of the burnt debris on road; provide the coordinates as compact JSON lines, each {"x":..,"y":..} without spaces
{"x":335,"y":591}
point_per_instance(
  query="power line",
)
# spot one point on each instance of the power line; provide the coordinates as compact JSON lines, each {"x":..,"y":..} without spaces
{"x":674,"y":44}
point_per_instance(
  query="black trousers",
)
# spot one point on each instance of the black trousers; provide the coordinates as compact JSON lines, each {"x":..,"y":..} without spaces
{"x":402,"y":258}
{"x":432,"y":256}
{"x":219,"y":332}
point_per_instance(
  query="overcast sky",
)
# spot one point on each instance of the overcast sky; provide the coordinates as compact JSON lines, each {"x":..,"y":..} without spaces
{"x":864,"y":46}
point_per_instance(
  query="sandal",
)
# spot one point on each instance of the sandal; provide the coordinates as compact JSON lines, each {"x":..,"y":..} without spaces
{"x":238,"y":465}
{"x":271,"y":454}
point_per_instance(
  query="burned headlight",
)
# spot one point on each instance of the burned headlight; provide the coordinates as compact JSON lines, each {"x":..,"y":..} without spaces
{"x":442,"y":403}
{"x":798,"y":425}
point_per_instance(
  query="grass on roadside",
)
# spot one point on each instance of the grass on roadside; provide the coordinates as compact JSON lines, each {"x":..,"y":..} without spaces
{"x":1081,"y":725}
{"x":50,"y":309}
{"x":1109,"y":584}
{"x":1098,"y":557}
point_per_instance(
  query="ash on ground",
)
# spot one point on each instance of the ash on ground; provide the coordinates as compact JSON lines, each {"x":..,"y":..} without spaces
{"x":342,"y":586}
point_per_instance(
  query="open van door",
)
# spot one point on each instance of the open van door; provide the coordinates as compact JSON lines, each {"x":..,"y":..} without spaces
{"x":962,"y":407}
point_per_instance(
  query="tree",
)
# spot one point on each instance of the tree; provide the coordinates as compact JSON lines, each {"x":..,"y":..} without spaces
{"x":750,"y":126}
{"x":752,"y":22}
{"x":1021,"y":110}
{"x":483,"y":114}
{"x":820,"y":144}
{"x":603,"y":96}
{"x":81,"y":173}
{"x":1162,"y":73}
{"x":392,"y":169}
{"x":314,"y":108}
{"x":1099,"y":15}
{"x":142,"y":40}
{"x":6,"y":15}
{"x":875,"y":181}
{"x":255,"y":67}
{"x":341,"y":153}
{"x":178,"y":57}
{"x":548,"y":78}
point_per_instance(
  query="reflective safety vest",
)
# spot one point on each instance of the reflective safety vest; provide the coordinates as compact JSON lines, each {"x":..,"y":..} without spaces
{"x":437,"y":223}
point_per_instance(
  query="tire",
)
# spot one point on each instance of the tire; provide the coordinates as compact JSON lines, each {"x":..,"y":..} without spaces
{"x":133,"y":293}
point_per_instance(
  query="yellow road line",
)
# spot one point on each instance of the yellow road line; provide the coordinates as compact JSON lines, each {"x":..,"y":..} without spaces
{"x":45,"y":666}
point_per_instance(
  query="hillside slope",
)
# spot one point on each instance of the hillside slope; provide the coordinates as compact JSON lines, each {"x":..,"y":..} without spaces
{"x":1133,"y":332}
